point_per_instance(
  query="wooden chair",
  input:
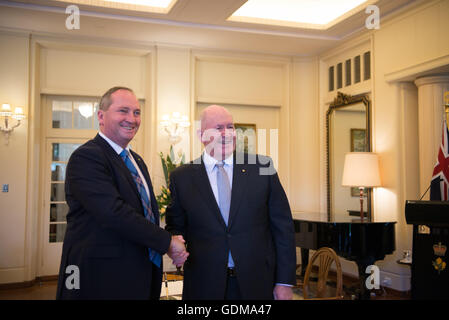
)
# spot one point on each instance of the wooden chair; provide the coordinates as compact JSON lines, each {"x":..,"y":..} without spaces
{"x":325,"y":256}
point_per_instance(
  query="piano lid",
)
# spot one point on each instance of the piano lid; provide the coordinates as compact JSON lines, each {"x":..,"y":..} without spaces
{"x":317,"y":217}
{"x":354,"y":241}
{"x":337,"y":221}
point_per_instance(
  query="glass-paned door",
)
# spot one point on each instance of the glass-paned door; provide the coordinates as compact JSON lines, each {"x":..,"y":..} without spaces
{"x":58,"y":152}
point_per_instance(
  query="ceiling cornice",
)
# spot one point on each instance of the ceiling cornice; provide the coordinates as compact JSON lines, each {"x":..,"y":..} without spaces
{"x":61,"y":10}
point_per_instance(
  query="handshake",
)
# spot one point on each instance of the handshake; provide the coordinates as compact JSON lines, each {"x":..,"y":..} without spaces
{"x":177,"y":250}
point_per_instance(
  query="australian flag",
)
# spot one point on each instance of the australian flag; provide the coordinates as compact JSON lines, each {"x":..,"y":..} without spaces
{"x":440,"y":179}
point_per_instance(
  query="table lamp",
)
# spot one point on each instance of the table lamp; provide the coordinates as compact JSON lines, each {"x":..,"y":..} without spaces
{"x":361,"y":169}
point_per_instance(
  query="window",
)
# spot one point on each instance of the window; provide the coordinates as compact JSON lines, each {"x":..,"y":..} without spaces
{"x":331,"y":78}
{"x":367,"y":65}
{"x":339,"y":75}
{"x":348,"y":72}
{"x":357,"y":69}
{"x":67,"y":114}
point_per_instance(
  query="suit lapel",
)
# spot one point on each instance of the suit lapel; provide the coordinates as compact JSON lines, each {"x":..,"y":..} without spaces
{"x":201,"y":181}
{"x":239,"y":181}
{"x":119,"y":163}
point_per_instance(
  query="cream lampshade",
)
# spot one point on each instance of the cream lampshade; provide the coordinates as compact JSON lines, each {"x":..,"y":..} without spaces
{"x":10,"y":120}
{"x":361,"y":169}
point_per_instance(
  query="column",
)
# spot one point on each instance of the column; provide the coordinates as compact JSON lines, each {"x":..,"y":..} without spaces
{"x":430,"y":118}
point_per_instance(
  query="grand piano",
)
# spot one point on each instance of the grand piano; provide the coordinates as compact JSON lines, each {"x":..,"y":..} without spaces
{"x":361,"y":242}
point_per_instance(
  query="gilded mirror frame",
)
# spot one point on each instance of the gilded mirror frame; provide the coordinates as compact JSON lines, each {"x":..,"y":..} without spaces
{"x":342,"y":101}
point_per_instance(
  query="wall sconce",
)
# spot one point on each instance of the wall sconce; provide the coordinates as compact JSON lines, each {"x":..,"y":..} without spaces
{"x":174,"y":125}
{"x":8,"y":116}
{"x":361,"y":169}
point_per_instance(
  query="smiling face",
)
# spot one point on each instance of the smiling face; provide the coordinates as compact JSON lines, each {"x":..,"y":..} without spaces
{"x":217,"y":132}
{"x":121,"y":120}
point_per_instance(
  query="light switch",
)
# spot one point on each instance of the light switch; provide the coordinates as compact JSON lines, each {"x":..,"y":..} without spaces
{"x":5,"y":188}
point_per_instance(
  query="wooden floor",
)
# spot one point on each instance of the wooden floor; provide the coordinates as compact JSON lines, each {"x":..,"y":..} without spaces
{"x":41,"y":290}
{"x":46,"y":290}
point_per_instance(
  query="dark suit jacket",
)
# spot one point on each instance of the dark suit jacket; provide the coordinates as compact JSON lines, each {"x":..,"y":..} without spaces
{"x":107,"y":235}
{"x":260,"y":232}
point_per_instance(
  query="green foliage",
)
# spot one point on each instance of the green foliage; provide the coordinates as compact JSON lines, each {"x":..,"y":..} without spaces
{"x":169,"y":163}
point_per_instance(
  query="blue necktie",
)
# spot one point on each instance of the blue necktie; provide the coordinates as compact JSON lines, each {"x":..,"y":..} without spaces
{"x":224,"y":198}
{"x":155,"y":257}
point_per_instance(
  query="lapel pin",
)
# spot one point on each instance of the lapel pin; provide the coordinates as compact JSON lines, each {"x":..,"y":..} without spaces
{"x":243,"y":170}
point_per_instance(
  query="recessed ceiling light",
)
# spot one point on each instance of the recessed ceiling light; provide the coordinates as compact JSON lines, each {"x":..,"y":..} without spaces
{"x":159,"y":6}
{"x":148,"y":3}
{"x":295,"y":12}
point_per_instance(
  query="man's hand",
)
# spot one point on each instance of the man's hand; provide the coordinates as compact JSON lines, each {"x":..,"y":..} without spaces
{"x":177,"y":251}
{"x":282,"y":292}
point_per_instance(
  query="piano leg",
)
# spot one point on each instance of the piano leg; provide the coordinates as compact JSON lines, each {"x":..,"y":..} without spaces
{"x":304,"y":261}
{"x":364,"y":293}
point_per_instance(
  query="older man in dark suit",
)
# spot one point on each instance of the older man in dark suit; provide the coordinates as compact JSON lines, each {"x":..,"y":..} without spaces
{"x":235,"y":218}
{"x":113,"y":239}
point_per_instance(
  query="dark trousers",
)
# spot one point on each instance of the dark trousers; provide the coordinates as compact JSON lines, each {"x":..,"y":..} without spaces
{"x":156,"y":282}
{"x":232,"y":288}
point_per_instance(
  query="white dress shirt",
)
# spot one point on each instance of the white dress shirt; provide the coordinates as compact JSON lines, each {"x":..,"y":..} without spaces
{"x":119,"y":150}
{"x":209,"y":163}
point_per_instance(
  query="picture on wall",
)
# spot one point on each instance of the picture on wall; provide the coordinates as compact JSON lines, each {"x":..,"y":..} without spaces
{"x":358,"y":140}
{"x":246,"y":137}
{"x":358,"y":144}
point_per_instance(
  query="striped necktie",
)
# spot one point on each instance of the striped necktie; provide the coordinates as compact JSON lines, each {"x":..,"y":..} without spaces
{"x":155,"y":257}
{"x":224,"y":198}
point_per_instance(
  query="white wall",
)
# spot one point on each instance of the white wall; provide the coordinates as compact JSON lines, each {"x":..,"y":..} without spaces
{"x":304,"y":142}
{"x":14,"y":50}
{"x":248,"y":82}
{"x":172,"y":94}
{"x":89,"y":71}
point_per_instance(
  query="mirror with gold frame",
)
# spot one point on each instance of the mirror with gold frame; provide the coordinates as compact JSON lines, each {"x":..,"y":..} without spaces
{"x":348,"y":130}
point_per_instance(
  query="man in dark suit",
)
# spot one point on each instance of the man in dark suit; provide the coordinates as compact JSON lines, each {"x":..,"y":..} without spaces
{"x":235,"y":218}
{"x":113,"y":243}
